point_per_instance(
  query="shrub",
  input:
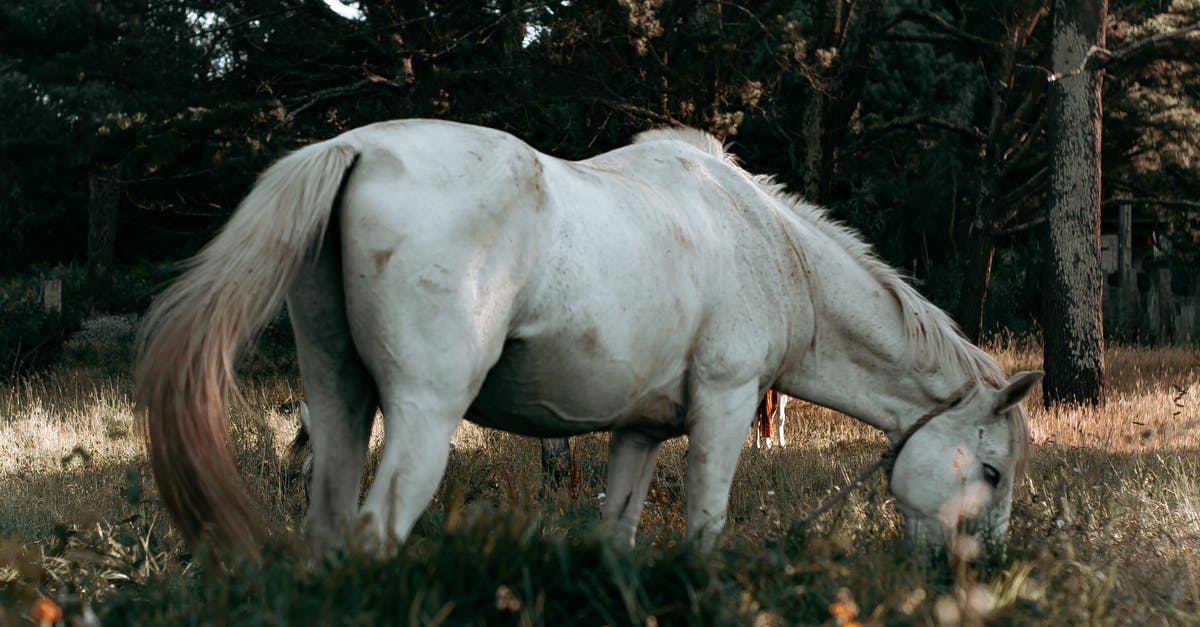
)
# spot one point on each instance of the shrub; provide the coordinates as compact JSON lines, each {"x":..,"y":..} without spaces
{"x":29,"y":337}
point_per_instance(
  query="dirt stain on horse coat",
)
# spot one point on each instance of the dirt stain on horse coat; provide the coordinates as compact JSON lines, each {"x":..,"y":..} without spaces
{"x":591,"y":340}
{"x":381,"y":259}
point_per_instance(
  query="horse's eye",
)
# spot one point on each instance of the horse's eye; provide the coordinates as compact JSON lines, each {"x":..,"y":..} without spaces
{"x":991,"y":475}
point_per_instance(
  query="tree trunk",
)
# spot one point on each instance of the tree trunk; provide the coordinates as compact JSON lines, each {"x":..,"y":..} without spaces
{"x":830,"y":102}
{"x":104,"y":188}
{"x":981,"y":249}
{"x":812,"y":159}
{"x":1074,"y":329}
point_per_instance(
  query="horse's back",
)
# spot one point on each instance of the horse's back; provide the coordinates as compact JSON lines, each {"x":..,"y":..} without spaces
{"x":546,"y":273}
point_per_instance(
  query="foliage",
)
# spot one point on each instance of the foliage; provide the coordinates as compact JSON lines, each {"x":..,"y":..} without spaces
{"x":29,"y":336}
{"x":185,"y":100}
{"x":1152,"y":120}
{"x":32,"y":339}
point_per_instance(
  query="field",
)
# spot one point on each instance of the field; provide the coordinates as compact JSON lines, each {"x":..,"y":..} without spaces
{"x":1106,"y":523}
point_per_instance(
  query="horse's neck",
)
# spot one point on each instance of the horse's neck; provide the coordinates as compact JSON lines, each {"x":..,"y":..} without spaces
{"x":856,"y":357}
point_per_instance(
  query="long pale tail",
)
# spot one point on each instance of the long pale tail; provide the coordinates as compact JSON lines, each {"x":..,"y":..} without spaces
{"x":194,"y":332}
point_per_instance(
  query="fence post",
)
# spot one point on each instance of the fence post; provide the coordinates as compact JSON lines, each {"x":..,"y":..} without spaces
{"x":1127,"y":292}
{"x":52,"y":303}
{"x":1166,"y":305}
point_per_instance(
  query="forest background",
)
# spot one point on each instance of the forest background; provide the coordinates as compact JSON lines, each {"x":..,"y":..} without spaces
{"x":131,"y":128}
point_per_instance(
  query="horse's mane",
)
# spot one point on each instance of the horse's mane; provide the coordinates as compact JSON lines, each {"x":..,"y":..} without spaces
{"x":690,"y":136}
{"x":933,"y":337}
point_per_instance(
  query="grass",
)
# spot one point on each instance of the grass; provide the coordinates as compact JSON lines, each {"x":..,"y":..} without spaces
{"x":1106,"y":523}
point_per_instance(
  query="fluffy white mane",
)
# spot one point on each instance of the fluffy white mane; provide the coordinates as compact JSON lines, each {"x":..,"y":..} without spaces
{"x":690,"y":136}
{"x":934,"y":338}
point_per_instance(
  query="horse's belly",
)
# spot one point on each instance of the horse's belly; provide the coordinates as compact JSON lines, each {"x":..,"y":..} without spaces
{"x":549,"y":393}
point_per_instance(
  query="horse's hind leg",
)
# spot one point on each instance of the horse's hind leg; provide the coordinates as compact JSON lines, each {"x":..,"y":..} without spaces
{"x":340,"y":395}
{"x":430,"y":364}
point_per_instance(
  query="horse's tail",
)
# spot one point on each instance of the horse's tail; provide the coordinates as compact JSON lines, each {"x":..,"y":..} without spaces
{"x":194,"y":332}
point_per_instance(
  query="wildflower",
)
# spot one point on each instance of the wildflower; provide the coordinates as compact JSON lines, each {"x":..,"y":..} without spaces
{"x":967,"y":504}
{"x":946,"y":611}
{"x":967,"y":547}
{"x":910,"y":602}
{"x":979,"y":600}
{"x":845,"y":610}
{"x":45,"y":612}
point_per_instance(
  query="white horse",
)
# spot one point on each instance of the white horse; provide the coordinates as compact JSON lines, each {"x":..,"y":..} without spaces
{"x":437,"y":270}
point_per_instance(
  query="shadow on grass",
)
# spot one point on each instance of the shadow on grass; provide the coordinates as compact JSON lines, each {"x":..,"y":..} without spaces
{"x":478,"y":559}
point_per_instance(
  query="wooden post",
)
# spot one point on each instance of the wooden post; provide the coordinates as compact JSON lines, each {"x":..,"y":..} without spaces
{"x":1127,"y":292}
{"x":1185,"y":322}
{"x":1196,"y":308}
{"x":52,"y":302}
{"x":1166,"y":305}
{"x":1150,"y":319}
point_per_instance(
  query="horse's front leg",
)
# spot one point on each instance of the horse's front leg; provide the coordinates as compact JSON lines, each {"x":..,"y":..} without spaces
{"x":716,"y":426}
{"x":631,"y":463}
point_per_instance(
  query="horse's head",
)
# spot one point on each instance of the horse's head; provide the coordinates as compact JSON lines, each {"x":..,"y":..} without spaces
{"x":956,"y":472}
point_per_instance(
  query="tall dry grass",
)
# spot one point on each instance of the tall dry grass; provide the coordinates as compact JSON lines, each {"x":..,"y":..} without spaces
{"x":1106,"y":523}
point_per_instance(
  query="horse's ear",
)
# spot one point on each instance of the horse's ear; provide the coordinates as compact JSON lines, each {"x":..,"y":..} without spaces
{"x":1017,"y":389}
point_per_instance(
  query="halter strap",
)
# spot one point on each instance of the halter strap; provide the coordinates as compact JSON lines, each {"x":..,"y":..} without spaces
{"x":887,"y":460}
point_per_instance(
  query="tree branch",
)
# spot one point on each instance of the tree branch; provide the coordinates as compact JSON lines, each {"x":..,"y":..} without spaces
{"x":336,"y":92}
{"x":1124,"y":53}
{"x":914,"y":121}
{"x":1031,"y":184}
{"x":925,"y":38}
{"x":640,"y":113}
{"x":1162,"y":202}
{"x":1099,"y":58}
{"x":950,"y":32}
{"x":1025,"y":226}
{"x":1015,"y":156}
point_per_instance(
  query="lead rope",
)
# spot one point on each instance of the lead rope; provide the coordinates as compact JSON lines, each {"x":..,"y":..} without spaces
{"x":888,"y":459}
